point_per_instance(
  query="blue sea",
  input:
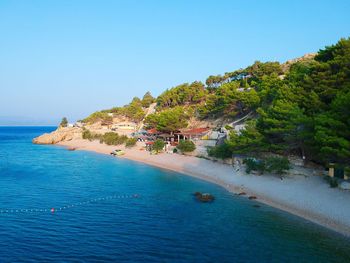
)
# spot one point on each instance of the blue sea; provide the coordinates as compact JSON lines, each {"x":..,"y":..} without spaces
{"x":74,"y":206}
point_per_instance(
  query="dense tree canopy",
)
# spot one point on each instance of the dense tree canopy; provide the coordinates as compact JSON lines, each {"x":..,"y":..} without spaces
{"x":332,"y":131}
{"x":184,"y":94}
{"x":186,"y":146}
{"x":306,"y":112}
{"x":169,"y":120}
{"x":230,"y":99}
{"x":301,"y":107}
{"x":147,"y":99}
{"x":247,"y":141}
{"x":133,"y":110}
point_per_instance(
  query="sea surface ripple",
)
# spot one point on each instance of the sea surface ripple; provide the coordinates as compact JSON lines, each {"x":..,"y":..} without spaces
{"x":116,"y":210}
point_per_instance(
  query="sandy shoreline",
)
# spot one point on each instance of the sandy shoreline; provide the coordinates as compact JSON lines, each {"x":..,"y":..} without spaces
{"x":308,"y":197}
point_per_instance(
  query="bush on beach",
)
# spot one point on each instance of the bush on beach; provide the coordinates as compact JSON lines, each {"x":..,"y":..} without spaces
{"x":130,"y":142}
{"x":186,"y":146}
{"x":158,"y":145}
{"x":88,"y":135}
{"x":275,"y":165}
{"x":112,"y":138}
{"x":109,"y":138}
{"x":333,"y":182}
{"x":220,"y":151}
{"x":253,"y":164}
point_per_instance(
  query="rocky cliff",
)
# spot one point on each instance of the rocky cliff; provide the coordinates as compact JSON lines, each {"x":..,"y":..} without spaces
{"x":59,"y":135}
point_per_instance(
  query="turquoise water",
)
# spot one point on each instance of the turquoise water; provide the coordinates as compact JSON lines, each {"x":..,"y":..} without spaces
{"x":161,"y":223}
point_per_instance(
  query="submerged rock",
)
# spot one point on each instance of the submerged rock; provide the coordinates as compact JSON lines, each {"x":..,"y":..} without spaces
{"x":204,"y":197}
{"x":252,"y":197}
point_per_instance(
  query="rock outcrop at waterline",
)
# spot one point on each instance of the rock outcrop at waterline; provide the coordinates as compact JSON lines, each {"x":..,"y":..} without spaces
{"x":59,"y":135}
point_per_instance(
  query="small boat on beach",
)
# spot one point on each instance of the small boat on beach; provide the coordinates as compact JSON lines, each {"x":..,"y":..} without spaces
{"x":117,"y":152}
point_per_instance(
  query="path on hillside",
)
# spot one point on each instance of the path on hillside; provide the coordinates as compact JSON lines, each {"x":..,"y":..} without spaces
{"x":151,"y":109}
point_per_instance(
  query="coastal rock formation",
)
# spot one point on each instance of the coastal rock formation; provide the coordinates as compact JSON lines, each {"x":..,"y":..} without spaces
{"x":59,"y":135}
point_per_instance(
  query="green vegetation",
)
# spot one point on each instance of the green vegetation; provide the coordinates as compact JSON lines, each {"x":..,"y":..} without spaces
{"x":98,"y":116}
{"x":130,"y":142}
{"x":88,"y":135}
{"x":158,"y":145}
{"x":109,"y":138}
{"x":147,"y":100}
{"x":186,"y":146}
{"x":305,"y":113}
{"x":169,"y":120}
{"x":347,"y":171}
{"x":183,"y":94}
{"x":229,"y":100}
{"x":222,"y":151}
{"x":250,"y":140}
{"x":333,"y":182}
{"x":133,"y":110}
{"x":299,"y":108}
{"x":275,"y":165}
{"x":253,"y":164}
{"x":112,"y":138}
{"x":64,"y":122}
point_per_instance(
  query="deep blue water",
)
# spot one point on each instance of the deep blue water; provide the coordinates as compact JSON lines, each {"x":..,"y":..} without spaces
{"x":164,"y":224}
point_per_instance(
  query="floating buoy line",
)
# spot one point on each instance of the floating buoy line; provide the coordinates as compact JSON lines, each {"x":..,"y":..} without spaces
{"x":63,"y":208}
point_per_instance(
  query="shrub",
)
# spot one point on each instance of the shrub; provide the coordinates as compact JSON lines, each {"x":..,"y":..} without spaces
{"x":87,"y":134}
{"x":278,"y":165}
{"x":253,"y":164}
{"x":347,"y":171}
{"x":112,"y":138}
{"x":158,"y":145}
{"x":333,"y":182}
{"x":220,"y":151}
{"x":175,"y":150}
{"x":186,"y":146}
{"x":98,"y":116}
{"x":228,"y":127}
{"x":130,"y":142}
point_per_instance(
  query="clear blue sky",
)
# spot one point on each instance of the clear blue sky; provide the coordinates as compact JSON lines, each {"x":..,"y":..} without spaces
{"x":70,"y":58}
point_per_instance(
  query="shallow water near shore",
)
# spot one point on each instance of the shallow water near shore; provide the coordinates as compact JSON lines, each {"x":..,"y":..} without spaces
{"x":109,"y":209}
